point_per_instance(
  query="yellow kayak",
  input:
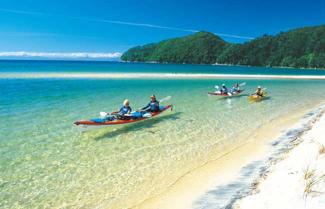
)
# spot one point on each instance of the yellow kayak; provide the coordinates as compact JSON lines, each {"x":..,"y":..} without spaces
{"x":256,"y":98}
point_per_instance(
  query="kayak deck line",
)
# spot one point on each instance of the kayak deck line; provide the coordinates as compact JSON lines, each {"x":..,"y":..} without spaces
{"x":119,"y":122}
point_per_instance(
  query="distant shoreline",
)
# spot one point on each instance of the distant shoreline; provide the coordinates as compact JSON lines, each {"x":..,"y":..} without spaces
{"x":159,"y":63}
{"x":227,"y":65}
{"x":65,"y":75}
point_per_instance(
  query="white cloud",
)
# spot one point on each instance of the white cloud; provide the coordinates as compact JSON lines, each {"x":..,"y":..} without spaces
{"x":62,"y":55}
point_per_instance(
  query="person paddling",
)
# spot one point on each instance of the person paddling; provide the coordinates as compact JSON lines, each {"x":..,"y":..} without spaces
{"x":224,"y":89}
{"x":259,"y":92}
{"x":125,"y":111}
{"x":152,"y":106}
{"x":235,"y":88}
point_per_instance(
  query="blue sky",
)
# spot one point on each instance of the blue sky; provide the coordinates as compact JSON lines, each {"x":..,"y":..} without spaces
{"x":100,"y":26}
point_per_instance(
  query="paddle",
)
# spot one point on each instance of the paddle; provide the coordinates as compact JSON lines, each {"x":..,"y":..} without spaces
{"x":161,"y":100}
{"x":242,"y":84}
{"x":165,"y":99}
{"x":103,"y":114}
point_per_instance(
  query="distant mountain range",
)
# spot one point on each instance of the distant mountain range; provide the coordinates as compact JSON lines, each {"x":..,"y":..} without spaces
{"x":299,"y":48}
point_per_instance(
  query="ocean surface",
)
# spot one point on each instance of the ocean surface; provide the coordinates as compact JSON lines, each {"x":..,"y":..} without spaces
{"x":47,"y":162}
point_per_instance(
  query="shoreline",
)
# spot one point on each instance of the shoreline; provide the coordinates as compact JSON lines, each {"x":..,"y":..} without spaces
{"x":49,"y":75}
{"x":223,"y":64}
{"x":187,"y":191}
{"x":296,"y":177}
{"x":152,"y":62}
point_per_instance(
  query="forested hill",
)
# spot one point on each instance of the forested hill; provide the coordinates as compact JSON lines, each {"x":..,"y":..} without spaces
{"x":303,"y":47}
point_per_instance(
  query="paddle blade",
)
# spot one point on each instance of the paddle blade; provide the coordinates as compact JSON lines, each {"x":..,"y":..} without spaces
{"x":103,"y":114}
{"x":242,"y":84}
{"x":217,"y":87}
{"x":165,"y":99}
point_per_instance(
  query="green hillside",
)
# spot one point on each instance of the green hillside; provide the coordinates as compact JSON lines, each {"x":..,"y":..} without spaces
{"x":304,"y":47}
{"x":200,"y":48}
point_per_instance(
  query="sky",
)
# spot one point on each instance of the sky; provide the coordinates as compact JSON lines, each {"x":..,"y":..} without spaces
{"x":104,"y":28}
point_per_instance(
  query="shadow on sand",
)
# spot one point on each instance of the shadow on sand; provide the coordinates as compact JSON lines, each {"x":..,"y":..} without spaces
{"x":139,"y":126}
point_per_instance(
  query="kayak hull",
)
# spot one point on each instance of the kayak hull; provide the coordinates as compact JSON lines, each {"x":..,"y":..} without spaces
{"x":119,"y":122}
{"x":225,"y":95}
{"x":255,"y":98}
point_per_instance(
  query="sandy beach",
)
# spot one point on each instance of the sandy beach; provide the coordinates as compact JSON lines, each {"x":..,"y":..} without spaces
{"x":295,"y":178}
{"x":221,"y":183}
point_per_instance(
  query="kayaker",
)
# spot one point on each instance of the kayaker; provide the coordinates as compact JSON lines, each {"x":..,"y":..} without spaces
{"x":235,"y":88}
{"x":125,"y":111}
{"x":259,"y":91}
{"x":224,"y":89}
{"x":152,"y":106}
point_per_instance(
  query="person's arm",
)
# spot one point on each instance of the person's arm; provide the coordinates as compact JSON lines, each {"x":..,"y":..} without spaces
{"x":146,"y":107}
{"x":116,"y":111}
{"x":158,"y":108}
{"x":130,"y":110}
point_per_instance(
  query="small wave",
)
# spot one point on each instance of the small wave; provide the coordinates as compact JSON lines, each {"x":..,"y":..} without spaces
{"x":71,"y":75}
{"x":226,"y":195}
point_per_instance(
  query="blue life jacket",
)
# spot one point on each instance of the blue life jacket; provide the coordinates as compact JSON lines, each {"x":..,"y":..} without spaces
{"x":224,"y":89}
{"x":153,"y":106}
{"x":125,"y":110}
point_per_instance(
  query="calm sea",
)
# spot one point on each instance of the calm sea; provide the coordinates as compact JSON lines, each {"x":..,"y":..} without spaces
{"x":47,"y":162}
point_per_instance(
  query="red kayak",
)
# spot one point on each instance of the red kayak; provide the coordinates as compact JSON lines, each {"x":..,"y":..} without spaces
{"x":118,"y":122}
{"x":224,"y":94}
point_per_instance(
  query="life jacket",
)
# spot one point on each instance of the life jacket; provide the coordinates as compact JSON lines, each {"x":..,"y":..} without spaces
{"x":125,"y":110}
{"x":154,"y":106}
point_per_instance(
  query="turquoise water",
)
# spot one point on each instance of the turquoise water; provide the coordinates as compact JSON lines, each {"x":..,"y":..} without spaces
{"x":47,"y":162}
{"x":117,"y":67}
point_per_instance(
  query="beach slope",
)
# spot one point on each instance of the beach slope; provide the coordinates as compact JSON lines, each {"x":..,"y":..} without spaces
{"x":296,"y":179}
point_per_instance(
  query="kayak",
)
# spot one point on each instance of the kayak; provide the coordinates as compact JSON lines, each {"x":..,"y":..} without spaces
{"x":218,"y":93}
{"x":101,"y":121}
{"x":256,"y":98}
